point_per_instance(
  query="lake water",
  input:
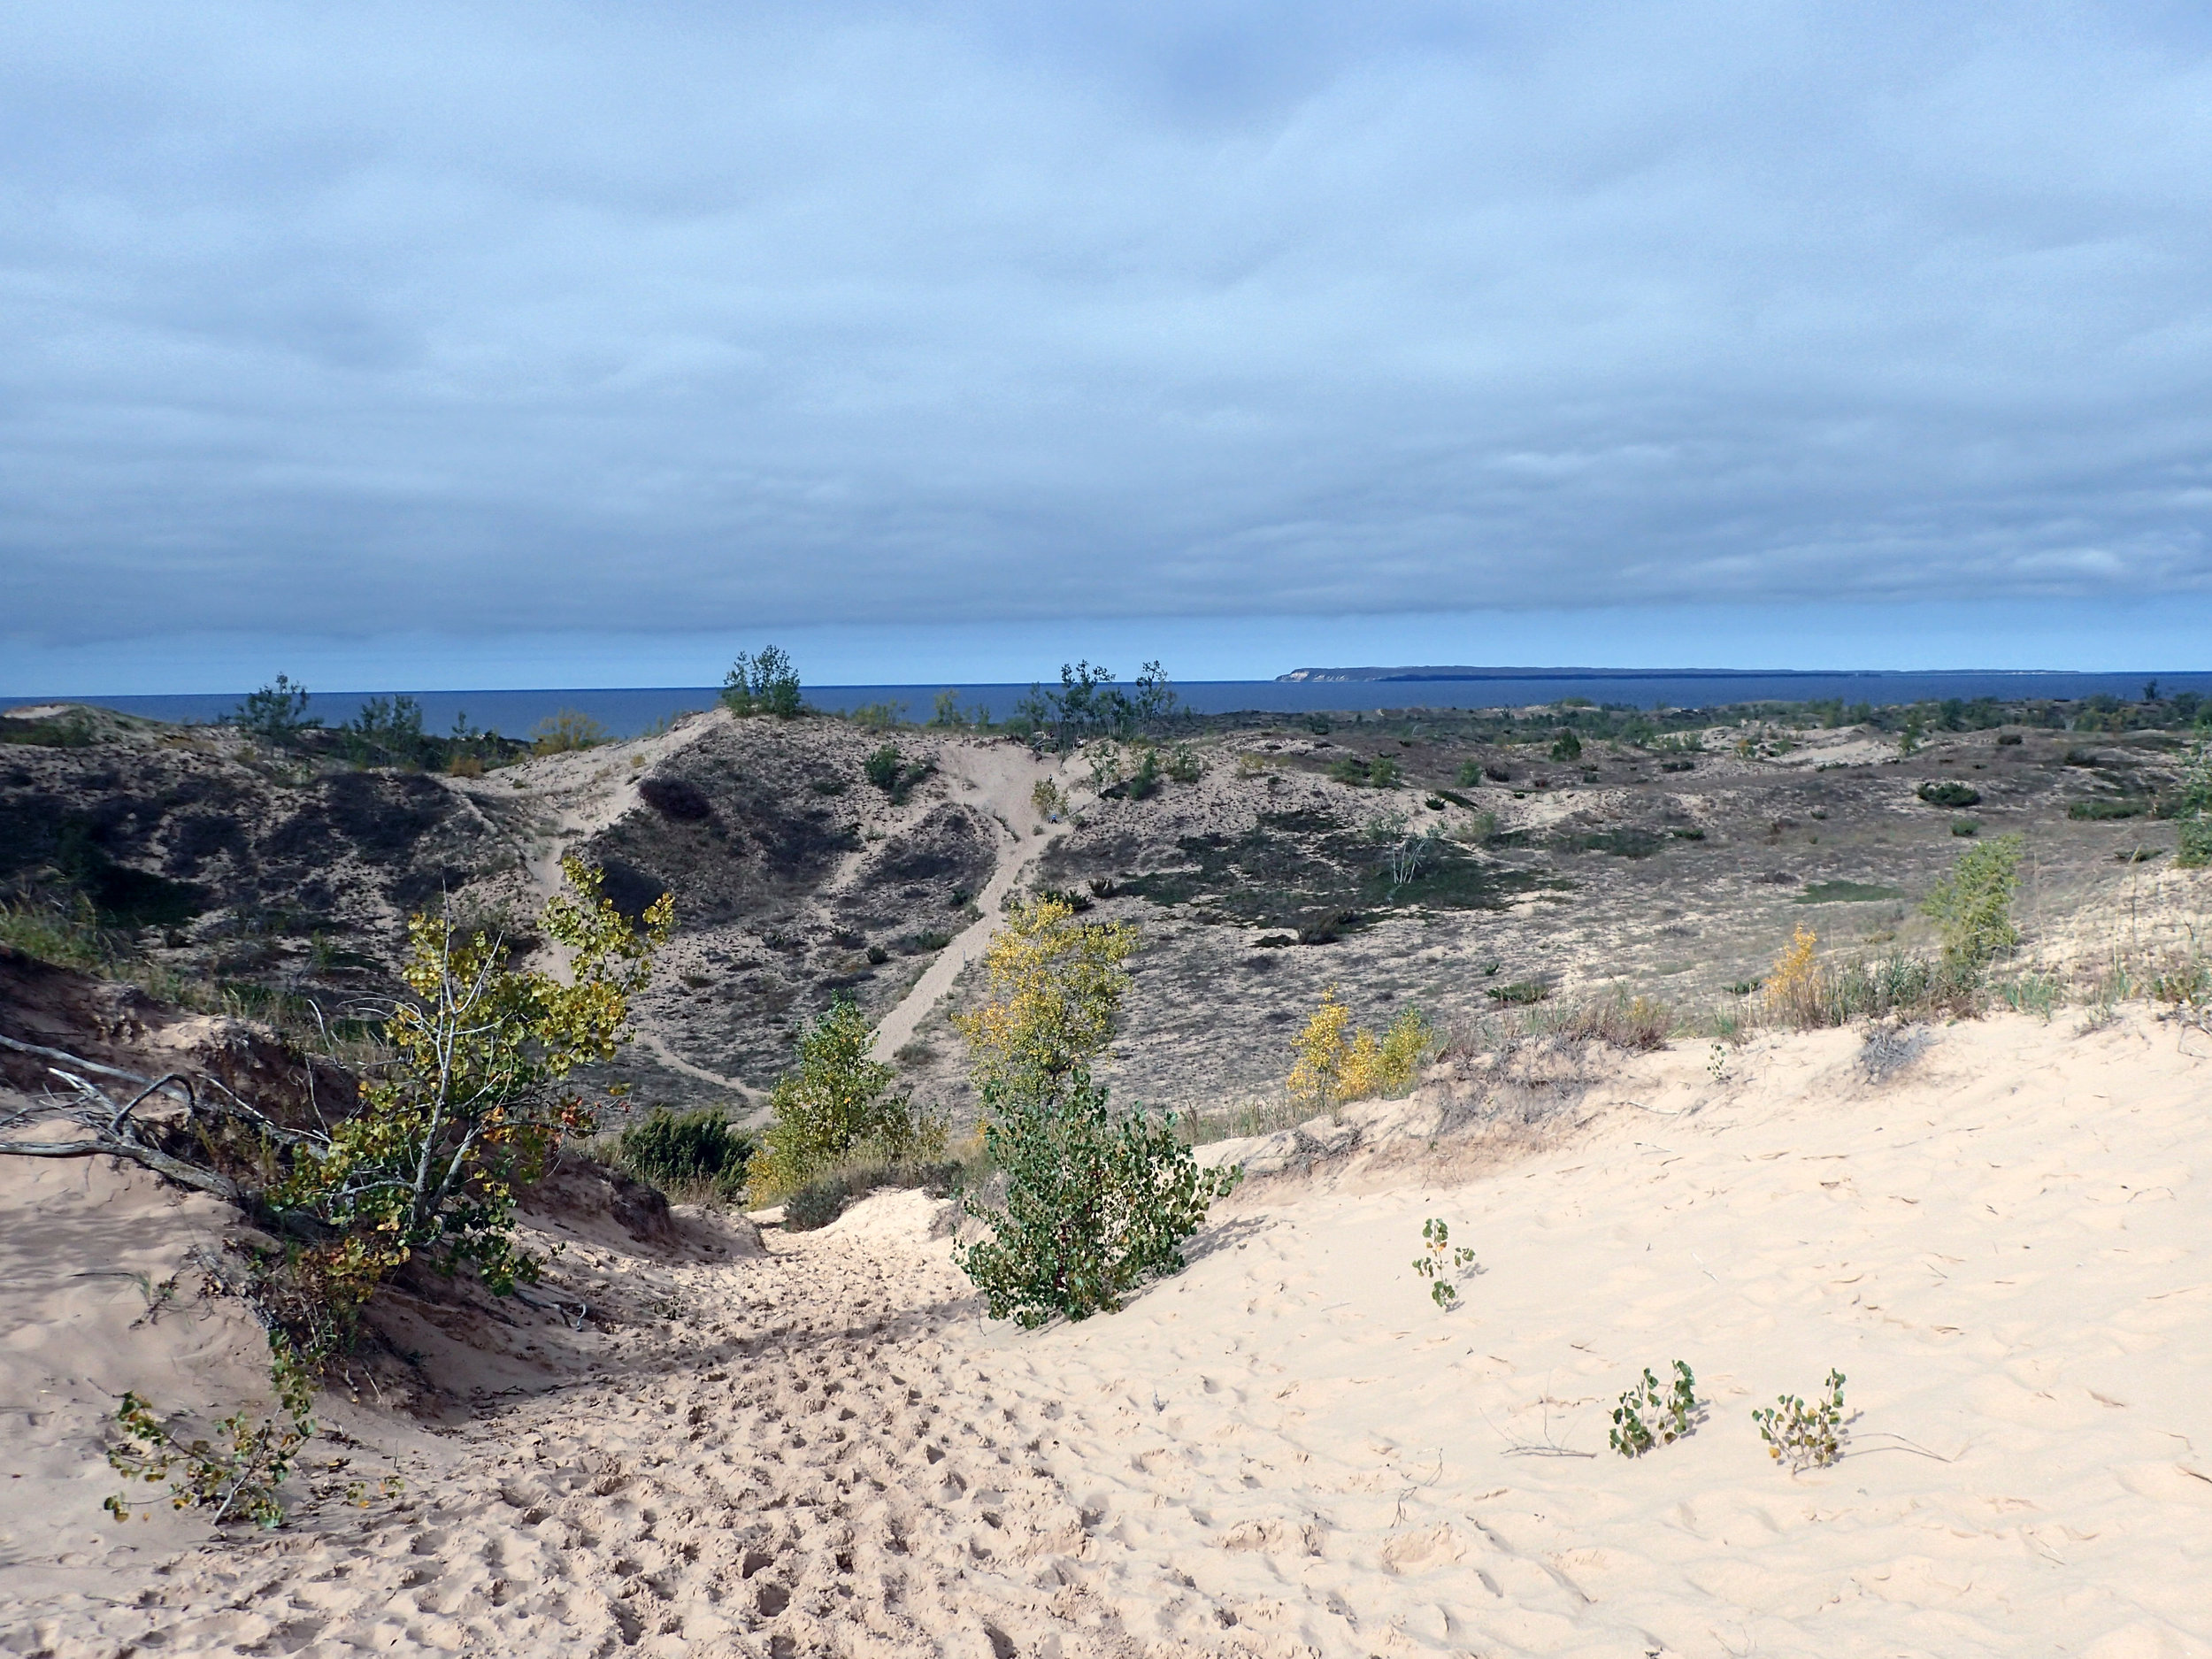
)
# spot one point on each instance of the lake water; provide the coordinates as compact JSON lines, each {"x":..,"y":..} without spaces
{"x":625,"y":710}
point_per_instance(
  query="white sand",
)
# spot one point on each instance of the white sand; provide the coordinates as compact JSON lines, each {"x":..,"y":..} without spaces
{"x":1287,"y":1450}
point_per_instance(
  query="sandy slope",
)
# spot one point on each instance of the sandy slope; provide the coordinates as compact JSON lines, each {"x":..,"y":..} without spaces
{"x":1287,"y":1450}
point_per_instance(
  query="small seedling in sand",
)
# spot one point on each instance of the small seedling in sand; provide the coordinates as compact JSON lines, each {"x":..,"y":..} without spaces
{"x":1439,"y":1259}
{"x":1803,"y":1436}
{"x":1717,"y":1063}
{"x":1647,"y":1418}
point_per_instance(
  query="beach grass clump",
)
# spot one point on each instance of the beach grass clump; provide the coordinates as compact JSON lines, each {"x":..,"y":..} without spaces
{"x":1805,"y":1436}
{"x":696,"y":1156}
{"x":1649,"y":1415}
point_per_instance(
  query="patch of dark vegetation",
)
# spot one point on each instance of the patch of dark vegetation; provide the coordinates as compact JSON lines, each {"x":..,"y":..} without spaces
{"x":1520,"y":993}
{"x":1847,"y":893}
{"x":2101,"y":807}
{"x":1628,"y":842}
{"x":676,"y":798}
{"x":1305,"y":871}
{"x":1948,"y":793}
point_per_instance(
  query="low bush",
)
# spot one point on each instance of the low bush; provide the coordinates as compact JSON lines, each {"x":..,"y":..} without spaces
{"x":1967,"y":828}
{"x":1097,"y":1201}
{"x":1646,"y":1416}
{"x":2103,"y":808}
{"x":1950,"y":793}
{"x":1567,"y":746}
{"x":1519,"y":992}
{"x":1183,"y":765}
{"x":2196,"y":844}
{"x":1336,"y":1064}
{"x":683,"y":1153}
{"x":1803,"y":1436}
{"x":566,"y":732}
{"x":1972,"y":906}
{"x":834,"y":1103}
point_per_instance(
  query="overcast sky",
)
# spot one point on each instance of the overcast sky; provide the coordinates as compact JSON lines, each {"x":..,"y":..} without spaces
{"x":531,"y":341}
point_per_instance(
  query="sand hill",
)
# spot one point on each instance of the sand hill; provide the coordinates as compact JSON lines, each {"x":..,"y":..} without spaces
{"x":818,"y":1447}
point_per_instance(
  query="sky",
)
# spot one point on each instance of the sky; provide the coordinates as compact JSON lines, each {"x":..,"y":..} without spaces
{"x":477,"y":344}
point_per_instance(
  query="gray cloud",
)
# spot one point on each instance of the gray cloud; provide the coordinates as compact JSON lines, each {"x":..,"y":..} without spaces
{"x":349,"y":320}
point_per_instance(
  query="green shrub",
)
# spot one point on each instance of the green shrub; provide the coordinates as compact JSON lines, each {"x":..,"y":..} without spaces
{"x":1145,"y":782}
{"x":698,"y":1148}
{"x":276,"y":713}
{"x":1967,"y":827}
{"x":1520,"y":993}
{"x":566,"y":732}
{"x":1567,"y":746}
{"x":765,"y":684}
{"x":1950,"y":793}
{"x":1351,"y":770}
{"x":834,"y":1101}
{"x":2196,"y":844}
{"x":1384,"y":773}
{"x":1096,"y":1202}
{"x":1972,"y":906}
{"x":882,"y":768}
{"x":1803,"y":1436}
{"x":1183,"y":765}
{"x":1647,"y":1418}
{"x":1470,"y":774}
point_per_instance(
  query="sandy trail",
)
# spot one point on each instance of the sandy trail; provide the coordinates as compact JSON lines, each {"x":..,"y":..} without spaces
{"x":997,"y":779}
{"x":1287,"y":1450}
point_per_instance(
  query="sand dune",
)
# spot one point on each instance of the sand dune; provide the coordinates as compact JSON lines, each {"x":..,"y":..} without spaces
{"x":1287,"y":1450}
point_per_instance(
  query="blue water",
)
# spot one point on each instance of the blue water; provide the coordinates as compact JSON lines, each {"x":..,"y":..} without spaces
{"x":626,"y":710}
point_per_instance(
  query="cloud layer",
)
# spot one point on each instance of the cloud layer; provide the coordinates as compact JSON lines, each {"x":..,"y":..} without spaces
{"x":368,"y":320}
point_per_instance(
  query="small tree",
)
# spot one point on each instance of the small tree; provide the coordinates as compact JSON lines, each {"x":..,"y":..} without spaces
{"x":1336,"y":1064}
{"x":1096,"y":1202}
{"x":1972,"y":906}
{"x":276,"y":713}
{"x":765,"y":684}
{"x":834,"y":1103}
{"x":1566,"y":746}
{"x":1056,"y":988}
{"x":477,"y":1096}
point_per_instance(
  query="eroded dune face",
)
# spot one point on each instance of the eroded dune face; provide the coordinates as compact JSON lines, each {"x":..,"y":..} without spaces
{"x":2000,"y":1239}
{"x":1260,"y":877}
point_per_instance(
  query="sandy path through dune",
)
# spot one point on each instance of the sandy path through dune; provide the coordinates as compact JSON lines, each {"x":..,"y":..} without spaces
{"x":1288,"y":1451}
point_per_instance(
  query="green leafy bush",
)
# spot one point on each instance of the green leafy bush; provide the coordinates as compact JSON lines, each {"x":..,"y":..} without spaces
{"x":834,"y":1103}
{"x":1645,"y":1417}
{"x":277,"y":713}
{"x":566,"y":732}
{"x":1567,"y":746}
{"x":1183,"y":765}
{"x":694,"y":1150}
{"x":2104,"y":808}
{"x":2196,"y":844}
{"x":1803,"y":1436}
{"x":765,"y":684}
{"x":1972,"y":906}
{"x":1384,"y":773}
{"x":1950,"y":793}
{"x":1096,"y":1203}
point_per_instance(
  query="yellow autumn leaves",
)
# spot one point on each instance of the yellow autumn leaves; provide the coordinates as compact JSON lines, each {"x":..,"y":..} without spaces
{"x":1338,"y":1062}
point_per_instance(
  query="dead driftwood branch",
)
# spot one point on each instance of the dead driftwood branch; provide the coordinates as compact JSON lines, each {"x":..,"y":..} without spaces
{"x":112,"y":1126}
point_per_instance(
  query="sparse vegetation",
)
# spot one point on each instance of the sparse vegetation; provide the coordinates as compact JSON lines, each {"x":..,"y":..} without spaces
{"x":1802,"y":1436}
{"x":1439,"y":1261}
{"x":236,"y":1479}
{"x":1649,"y":1415}
{"x":1950,"y":793}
